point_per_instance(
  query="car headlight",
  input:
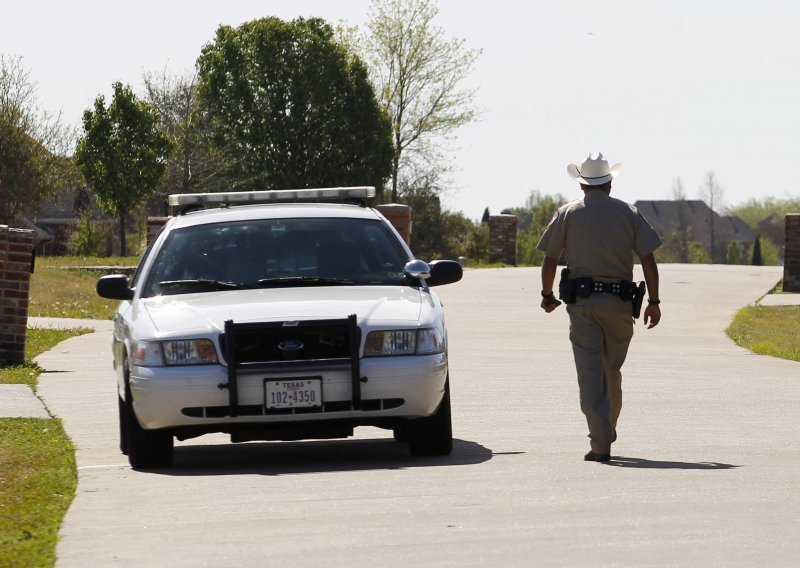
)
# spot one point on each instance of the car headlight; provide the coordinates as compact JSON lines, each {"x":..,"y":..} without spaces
{"x":177,"y":352}
{"x":389,"y":343}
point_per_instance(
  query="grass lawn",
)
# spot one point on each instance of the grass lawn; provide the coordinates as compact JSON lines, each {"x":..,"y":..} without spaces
{"x":768,"y":330}
{"x":37,"y":484}
{"x":57,"y":290}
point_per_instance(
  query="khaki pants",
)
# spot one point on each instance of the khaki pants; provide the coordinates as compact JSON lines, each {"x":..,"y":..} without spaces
{"x":601,"y":328}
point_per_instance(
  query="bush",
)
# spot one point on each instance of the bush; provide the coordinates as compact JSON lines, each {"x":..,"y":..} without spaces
{"x":89,"y":237}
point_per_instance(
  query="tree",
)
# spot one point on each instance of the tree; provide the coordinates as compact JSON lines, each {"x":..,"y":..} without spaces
{"x":713,"y":194}
{"x":678,"y":190}
{"x":418,"y":74}
{"x":735,"y":253}
{"x":539,"y":209}
{"x":122,"y":153}
{"x":191,"y":167}
{"x":680,"y":240}
{"x":757,"y":259}
{"x":289,"y":107}
{"x":33,"y":146}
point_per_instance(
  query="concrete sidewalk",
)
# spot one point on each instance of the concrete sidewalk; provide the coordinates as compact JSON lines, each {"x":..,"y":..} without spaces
{"x":19,"y":401}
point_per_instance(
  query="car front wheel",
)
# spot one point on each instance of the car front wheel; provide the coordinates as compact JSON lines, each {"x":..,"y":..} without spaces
{"x":147,"y":449}
{"x":433,"y":436}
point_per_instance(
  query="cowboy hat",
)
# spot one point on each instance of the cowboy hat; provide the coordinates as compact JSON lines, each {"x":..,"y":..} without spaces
{"x":594,"y":170}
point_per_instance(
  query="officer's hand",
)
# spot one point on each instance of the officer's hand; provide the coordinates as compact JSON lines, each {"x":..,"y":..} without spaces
{"x":652,"y":313}
{"x":550,"y":303}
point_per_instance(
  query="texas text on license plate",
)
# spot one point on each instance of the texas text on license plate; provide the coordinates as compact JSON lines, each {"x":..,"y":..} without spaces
{"x":303,"y":392}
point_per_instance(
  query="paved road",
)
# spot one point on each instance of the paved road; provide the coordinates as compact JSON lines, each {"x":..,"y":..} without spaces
{"x":706,"y":469}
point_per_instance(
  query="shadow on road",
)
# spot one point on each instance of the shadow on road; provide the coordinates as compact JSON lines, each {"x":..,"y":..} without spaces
{"x":286,"y":458}
{"x":620,"y":461}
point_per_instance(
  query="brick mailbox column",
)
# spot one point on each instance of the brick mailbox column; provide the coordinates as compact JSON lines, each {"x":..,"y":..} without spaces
{"x":791,"y":256}
{"x":400,"y":218}
{"x":503,"y":239}
{"x":154,"y":225}
{"x":16,"y":260}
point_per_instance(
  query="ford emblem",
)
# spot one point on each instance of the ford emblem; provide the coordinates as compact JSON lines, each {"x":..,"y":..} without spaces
{"x":290,"y":345}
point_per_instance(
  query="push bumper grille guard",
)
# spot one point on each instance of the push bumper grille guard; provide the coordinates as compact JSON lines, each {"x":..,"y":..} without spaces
{"x":233,"y":329}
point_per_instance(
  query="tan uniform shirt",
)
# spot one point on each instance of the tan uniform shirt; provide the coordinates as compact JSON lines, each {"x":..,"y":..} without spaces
{"x":600,"y":234}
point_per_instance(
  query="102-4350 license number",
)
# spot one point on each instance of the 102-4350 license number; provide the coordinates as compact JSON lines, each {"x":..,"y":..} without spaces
{"x":293,"y":393}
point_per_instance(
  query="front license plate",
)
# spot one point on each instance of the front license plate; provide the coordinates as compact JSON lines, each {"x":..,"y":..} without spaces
{"x":293,"y":393}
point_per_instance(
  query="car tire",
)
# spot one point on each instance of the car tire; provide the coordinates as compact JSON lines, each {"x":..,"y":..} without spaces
{"x":433,"y":436}
{"x":147,"y":449}
{"x":401,"y":434}
{"x":123,"y":431}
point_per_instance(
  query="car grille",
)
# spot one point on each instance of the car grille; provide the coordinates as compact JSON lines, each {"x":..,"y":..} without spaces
{"x":292,"y":346}
{"x":268,"y":344}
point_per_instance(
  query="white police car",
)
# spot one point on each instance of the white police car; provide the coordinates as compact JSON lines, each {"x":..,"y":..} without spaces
{"x":273,"y":318}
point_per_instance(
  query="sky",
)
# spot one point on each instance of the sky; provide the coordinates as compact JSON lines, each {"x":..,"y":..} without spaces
{"x":673,"y":90}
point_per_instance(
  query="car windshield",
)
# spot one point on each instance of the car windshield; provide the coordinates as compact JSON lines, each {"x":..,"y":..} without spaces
{"x":277,"y":253}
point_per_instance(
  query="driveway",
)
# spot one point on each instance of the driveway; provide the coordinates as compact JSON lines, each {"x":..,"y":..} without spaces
{"x":705,"y":472}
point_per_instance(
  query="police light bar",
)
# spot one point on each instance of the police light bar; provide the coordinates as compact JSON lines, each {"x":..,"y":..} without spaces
{"x":275,"y":196}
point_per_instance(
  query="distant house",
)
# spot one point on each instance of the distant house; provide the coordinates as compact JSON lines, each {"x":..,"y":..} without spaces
{"x":694,"y":219}
{"x":54,"y":222}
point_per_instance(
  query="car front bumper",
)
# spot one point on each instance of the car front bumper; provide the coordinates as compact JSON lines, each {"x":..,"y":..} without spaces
{"x":195,"y":396}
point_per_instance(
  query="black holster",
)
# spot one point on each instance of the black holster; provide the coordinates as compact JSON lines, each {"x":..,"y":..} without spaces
{"x":567,"y":291}
{"x":638,"y":297}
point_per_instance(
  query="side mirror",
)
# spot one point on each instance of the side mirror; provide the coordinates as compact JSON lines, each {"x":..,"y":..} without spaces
{"x":445,"y":272}
{"x":114,"y":287}
{"x":417,"y":269}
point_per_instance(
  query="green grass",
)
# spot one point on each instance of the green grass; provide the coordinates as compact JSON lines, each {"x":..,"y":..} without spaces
{"x":768,"y":330}
{"x":37,"y":484}
{"x":37,"y":469}
{"x":62,"y":293}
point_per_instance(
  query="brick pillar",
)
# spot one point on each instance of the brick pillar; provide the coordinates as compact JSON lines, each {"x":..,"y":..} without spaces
{"x":791,"y":255}
{"x":503,"y":239}
{"x":154,"y":225}
{"x":400,"y":218}
{"x":16,"y":257}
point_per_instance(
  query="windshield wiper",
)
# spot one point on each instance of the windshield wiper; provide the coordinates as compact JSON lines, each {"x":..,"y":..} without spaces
{"x":289,"y":281}
{"x":201,"y":284}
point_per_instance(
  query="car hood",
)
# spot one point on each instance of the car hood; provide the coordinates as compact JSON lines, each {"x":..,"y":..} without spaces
{"x":373,"y":306}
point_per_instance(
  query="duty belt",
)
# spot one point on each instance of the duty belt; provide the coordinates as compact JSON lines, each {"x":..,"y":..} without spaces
{"x":598,"y":287}
{"x":569,"y":289}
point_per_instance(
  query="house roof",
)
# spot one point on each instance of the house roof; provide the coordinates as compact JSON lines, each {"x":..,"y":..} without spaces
{"x":695,"y":217}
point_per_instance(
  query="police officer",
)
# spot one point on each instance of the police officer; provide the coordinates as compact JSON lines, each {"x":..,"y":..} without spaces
{"x":598,"y":235}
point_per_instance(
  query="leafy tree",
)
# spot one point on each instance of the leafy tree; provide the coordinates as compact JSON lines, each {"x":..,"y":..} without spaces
{"x":122,"y":153}
{"x":418,"y":74}
{"x":698,"y":253}
{"x":770,"y":253}
{"x":88,"y":237}
{"x":287,"y":106}
{"x":735,"y":253}
{"x":439,"y":233}
{"x":754,"y":211}
{"x":33,"y":146}
{"x":538,"y":210}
